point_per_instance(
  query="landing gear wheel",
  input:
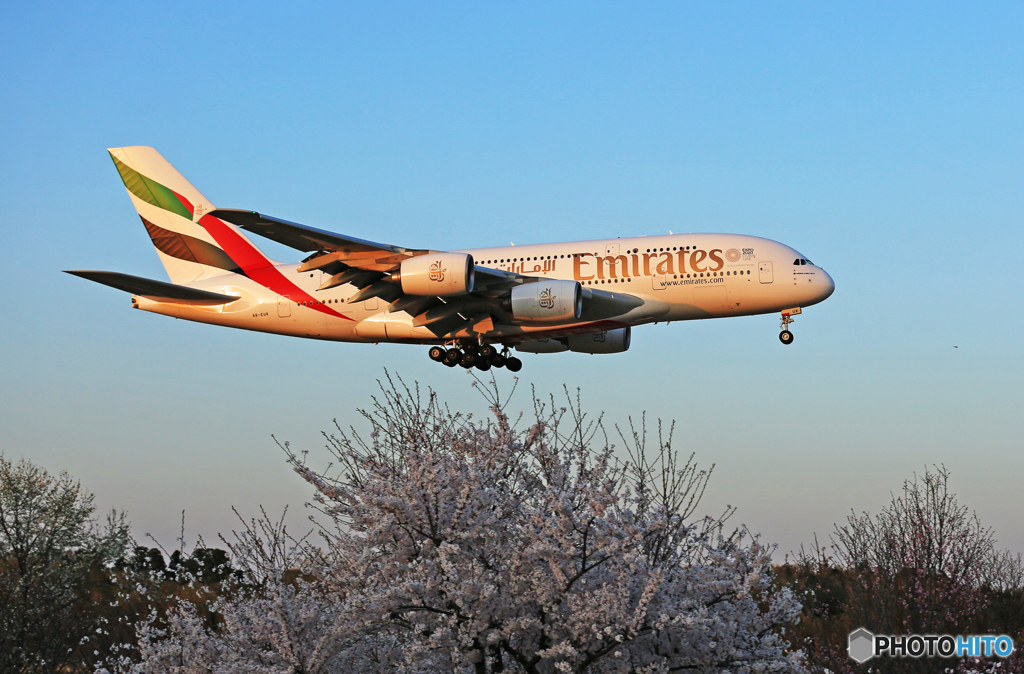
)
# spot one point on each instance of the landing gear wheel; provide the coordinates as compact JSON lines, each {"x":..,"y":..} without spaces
{"x":786,"y":337}
{"x":513,"y":364}
{"x":483,"y":365}
{"x":488,"y":352}
{"x":498,"y":360}
{"x":452,"y":357}
{"x":470,"y":347}
{"x":469,"y":359}
{"x":437,"y":353}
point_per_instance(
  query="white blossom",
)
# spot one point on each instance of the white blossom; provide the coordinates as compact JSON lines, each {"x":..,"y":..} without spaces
{"x":464,"y":546}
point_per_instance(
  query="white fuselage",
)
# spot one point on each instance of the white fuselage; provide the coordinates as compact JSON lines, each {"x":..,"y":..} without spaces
{"x":679,"y":277}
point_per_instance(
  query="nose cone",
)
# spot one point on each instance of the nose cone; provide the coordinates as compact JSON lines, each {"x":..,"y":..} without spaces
{"x":830,"y":287}
{"x":819,"y":288}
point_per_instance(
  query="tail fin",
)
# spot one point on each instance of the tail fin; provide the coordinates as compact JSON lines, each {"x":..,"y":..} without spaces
{"x":173,"y":212}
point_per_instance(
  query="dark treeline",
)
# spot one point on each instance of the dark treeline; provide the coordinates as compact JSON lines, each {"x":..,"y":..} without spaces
{"x":72,"y":589}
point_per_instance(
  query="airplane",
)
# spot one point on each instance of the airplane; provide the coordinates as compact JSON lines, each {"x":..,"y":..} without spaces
{"x":472,"y":307}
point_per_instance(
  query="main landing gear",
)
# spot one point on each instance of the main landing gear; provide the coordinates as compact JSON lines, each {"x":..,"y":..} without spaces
{"x":469,"y":354}
{"x":786,"y":337}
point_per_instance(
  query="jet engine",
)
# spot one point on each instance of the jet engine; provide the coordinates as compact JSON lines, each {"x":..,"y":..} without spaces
{"x":612,"y":341}
{"x":547,"y":301}
{"x":440,"y":274}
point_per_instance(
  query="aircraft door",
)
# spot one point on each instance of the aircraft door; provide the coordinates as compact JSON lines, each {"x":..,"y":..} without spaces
{"x":611,"y":249}
{"x":764,"y":270}
{"x":284,"y":306}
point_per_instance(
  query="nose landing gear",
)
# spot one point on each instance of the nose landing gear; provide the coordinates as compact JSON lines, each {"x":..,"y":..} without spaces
{"x":786,"y":337}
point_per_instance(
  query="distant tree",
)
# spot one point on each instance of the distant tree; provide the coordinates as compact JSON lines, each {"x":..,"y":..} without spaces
{"x":145,"y":560}
{"x":51,"y":551}
{"x":923,"y":565}
{"x":465,"y":546}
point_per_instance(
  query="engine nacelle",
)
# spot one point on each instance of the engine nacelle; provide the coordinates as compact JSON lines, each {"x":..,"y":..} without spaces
{"x":612,"y":341}
{"x":542,"y":346}
{"x":441,"y":274}
{"x":547,"y":302}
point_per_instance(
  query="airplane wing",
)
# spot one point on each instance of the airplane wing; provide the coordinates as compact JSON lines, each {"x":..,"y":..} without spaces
{"x":331,"y":248}
{"x":154,"y":290}
{"x":302,"y":237}
{"x":338,"y":252}
{"x":368,"y":264}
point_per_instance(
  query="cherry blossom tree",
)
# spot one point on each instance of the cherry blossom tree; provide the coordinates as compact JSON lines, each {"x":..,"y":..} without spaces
{"x":923,"y":565}
{"x":456,"y":544}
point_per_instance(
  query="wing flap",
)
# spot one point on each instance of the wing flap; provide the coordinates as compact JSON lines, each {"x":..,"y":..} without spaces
{"x":154,"y":290}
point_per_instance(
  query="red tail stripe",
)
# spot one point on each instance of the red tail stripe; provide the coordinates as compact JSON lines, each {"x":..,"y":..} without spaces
{"x":255,"y":265}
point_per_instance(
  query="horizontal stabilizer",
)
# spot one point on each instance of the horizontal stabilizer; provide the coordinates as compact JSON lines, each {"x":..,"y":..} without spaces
{"x":154,"y":290}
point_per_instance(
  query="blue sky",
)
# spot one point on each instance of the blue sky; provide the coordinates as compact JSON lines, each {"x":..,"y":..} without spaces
{"x":884,"y":142}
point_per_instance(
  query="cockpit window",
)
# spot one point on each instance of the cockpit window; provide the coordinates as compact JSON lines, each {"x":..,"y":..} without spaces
{"x":796,"y":262}
{"x":800,"y":261}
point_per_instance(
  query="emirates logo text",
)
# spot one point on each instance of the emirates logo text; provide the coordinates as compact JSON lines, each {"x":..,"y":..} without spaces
{"x":436,"y":272}
{"x":547,"y":300}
